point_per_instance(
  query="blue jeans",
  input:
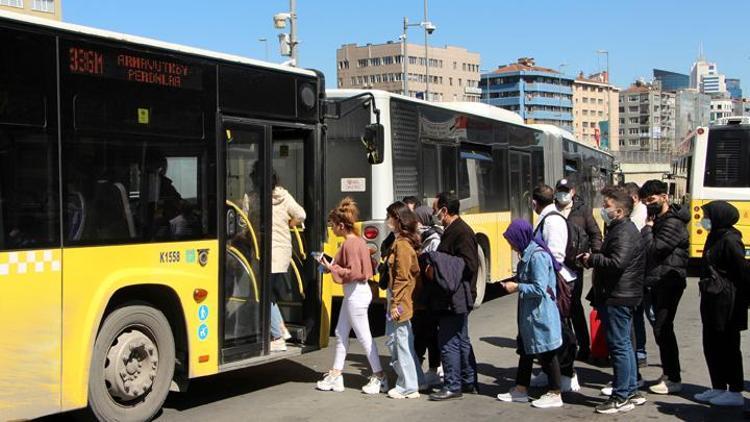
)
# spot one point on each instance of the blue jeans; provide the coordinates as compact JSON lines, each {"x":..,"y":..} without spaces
{"x":276,"y":321}
{"x":456,"y":353}
{"x":618,"y":321}
{"x":400,"y":342}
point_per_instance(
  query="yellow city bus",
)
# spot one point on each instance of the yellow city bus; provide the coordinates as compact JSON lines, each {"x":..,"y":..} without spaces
{"x":486,"y":155}
{"x":713,"y":163}
{"x":135,"y":216}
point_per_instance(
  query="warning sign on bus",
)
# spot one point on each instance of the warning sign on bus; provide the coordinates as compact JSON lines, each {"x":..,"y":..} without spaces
{"x":353,"y":184}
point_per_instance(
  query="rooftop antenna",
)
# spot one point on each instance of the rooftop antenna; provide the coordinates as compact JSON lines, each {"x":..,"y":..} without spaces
{"x":701,"y":57}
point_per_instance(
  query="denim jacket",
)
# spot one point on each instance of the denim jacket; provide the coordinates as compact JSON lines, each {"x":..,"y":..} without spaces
{"x":538,"y":317}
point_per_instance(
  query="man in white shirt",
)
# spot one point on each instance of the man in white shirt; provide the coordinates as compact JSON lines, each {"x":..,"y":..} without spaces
{"x":639,"y":214}
{"x":554,"y":231}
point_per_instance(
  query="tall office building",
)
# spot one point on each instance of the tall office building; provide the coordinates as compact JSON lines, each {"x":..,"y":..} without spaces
{"x":734,"y":88}
{"x":705,"y":76}
{"x":538,"y":94}
{"x":672,"y":81}
{"x":453,"y":71}
{"x":49,"y":9}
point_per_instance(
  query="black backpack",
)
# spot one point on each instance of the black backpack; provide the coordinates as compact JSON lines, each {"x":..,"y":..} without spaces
{"x":578,"y":240}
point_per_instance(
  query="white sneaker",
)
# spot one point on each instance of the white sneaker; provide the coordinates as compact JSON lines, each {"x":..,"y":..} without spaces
{"x":707,"y":395}
{"x":548,"y":400}
{"x":666,"y":386}
{"x":287,"y":335}
{"x":568,"y":384}
{"x":331,"y":383}
{"x":728,"y":398}
{"x":392,"y":393}
{"x":375,"y":385}
{"x":539,"y":380}
{"x":432,"y":378}
{"x":513,"y":395}
{"x":440,"y":372}
{"x":278,"y":345}
{"x":607,"y":389}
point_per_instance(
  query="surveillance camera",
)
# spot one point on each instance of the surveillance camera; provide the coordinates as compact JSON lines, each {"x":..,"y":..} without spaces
{"x":279,"y":20}
{"x":429,"y":27}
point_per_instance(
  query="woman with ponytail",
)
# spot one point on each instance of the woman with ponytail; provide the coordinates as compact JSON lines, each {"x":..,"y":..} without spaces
{"x":352,"y":267}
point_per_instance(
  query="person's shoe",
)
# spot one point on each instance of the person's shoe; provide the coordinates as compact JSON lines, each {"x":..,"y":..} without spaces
{"x":375,"y":385}
{"x":539,"y":380}
{"x":432,"y":378}
{"x":513,"y":395}
{"x":665,"y":386}
{"x":331,"y":383}
{"x":287,"y":335}
{"x":614,"y":405}
{"x":470,"y":389}
{"x":445,"y":394}
{"x":278,"y":345}
{"x":728,"y":398}
{"x":707,"y":395}
{"x":547,"y":401}
{"x":392,"y":393}
{"x":637,"y":399}
{"x":607,"y":389}
{"x":440,"y":372}
{"x":568,"y":384}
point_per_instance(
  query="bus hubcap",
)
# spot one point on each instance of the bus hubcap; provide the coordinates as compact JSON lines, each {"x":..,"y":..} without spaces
{"x":131,"y":365}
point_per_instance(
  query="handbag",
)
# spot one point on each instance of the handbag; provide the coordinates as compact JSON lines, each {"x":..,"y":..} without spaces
{"x":717,"y":297}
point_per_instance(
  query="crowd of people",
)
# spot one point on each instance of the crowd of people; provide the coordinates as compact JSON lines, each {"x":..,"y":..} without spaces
{"x":429,"y":269}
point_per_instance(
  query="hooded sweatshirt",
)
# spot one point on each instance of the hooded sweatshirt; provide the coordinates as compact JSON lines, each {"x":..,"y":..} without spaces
{"x":666,"y":247}
{"x":285,"y":208}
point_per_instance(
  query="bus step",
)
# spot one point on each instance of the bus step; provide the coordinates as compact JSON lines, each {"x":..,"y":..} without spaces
{"x":298,"y":332}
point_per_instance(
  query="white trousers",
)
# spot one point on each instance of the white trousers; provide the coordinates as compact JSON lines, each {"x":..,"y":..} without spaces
{"x":353,"y":315}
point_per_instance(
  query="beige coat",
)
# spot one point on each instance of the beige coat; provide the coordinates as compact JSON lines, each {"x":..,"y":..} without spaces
{"x":285,"y":209}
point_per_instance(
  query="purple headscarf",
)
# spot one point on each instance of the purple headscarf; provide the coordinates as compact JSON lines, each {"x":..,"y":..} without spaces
{"x":520,"y":234}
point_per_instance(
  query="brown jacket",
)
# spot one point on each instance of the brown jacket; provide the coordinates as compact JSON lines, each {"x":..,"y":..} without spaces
{"x":404,"y":274}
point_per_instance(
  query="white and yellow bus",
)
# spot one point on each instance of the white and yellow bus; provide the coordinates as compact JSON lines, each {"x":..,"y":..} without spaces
{"x":135,"y":216}
{"x":713,"y":163}
{"x":484,"y":154}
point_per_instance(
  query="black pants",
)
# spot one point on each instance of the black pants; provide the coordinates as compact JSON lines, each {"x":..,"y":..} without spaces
{"x":425,"y":326}
{"x":566,"y":354}
{"x":550,"y":365}
{"x":665,"y":297}
{"x":724,"y":358}
{"x":578,"y":316}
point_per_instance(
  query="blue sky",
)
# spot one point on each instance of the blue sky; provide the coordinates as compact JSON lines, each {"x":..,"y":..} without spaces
{"x":639,"y":34}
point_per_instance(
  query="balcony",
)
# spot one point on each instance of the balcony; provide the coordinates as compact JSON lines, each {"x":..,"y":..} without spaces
{"x":549,"y":115}
{"x":505,"y":101}
{"x":552,"y":102}
{"x":500,"y":87}
{"x":544,"y":87}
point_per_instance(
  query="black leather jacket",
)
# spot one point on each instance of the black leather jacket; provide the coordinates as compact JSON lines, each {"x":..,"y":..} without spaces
{"x":666,"y":245}
{"x":618,"y":268}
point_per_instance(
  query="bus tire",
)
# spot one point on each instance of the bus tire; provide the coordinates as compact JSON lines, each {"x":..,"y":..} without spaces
{"x":482,"y":276}
{"x":132,"y":365}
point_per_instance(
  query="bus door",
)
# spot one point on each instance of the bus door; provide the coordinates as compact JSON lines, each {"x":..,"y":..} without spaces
{"x":246,"y":226}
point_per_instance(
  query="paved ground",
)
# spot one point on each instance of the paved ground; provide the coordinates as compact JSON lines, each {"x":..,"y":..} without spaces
{"x":284,"y":390}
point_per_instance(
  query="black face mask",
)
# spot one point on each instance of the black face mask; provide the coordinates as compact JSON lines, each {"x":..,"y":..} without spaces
{"x":653,"y":209}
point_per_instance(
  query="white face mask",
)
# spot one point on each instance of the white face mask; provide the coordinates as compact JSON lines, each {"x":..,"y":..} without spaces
{"x":564,"y":198}
{"x":706,"y":223}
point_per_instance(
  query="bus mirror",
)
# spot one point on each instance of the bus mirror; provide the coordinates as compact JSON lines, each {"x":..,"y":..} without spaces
{"x":374,"y":141}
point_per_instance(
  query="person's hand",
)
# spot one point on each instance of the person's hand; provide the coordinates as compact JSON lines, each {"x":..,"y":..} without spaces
{"x":510,"y":286}
{"x":325,"y":263}
{"x":650,"y":222}
{"x":395,"y":314}
{"x":429,"y":273}
{"x":584,"y":258}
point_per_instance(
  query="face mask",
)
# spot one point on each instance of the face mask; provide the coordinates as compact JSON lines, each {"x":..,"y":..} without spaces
{"x":706,"y":223}
{"x":653,"y":209}
{"x":605,"y":216}
{"x":563,"y":198}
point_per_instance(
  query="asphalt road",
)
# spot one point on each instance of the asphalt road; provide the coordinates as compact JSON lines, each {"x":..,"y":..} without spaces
{"x":284,"y":390}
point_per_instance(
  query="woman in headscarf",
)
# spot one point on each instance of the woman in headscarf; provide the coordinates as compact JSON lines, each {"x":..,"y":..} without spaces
{"x":723,"y":316}
{"x":538,"y":317}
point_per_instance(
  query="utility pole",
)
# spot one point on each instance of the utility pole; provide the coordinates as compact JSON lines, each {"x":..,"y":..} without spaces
{"x":405,"y":58}
{"x":426,"y":57}
{"x":293,"y":31}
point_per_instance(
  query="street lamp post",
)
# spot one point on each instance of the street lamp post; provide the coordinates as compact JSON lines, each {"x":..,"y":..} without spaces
{"x":288,"y":41}
{"x":426,"y":58}
{"x":429,"y":28}
{"x":607,"y":106}
{"x":265,"y":43}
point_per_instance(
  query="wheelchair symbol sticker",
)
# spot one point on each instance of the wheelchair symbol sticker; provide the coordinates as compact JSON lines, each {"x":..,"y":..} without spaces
{"x":203,"y":312}
{"x":202,"y":332}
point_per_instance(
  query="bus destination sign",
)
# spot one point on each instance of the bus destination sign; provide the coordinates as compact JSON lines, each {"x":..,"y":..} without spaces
{"x":133,"y":67}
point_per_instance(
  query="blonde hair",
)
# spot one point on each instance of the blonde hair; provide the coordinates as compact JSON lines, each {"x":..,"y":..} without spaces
{"x":346,"y":213}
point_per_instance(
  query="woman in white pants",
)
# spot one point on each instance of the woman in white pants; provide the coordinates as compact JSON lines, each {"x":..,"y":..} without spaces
{"x":352,"y":267}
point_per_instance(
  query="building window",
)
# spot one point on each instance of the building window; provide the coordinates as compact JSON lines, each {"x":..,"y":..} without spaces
{"x":450,"y":81}
{"x":388,"y":60}
{"x":633,"y":98}
{"x":362,"y":63}
{"x":44,"y":5}
{"x":375,"y":61}
{"x":454,"y":68}
{"x":412,"y":60}
{"x":399,"y":59}
{"x":13,"y":3}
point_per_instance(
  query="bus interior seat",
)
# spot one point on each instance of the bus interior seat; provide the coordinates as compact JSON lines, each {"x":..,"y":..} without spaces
{"x":125,"y":202}
{"x":109,"y":216}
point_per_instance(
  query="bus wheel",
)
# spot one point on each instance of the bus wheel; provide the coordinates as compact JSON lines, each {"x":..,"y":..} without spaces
{"x":482,"y":275}
{"x":132,"y":365}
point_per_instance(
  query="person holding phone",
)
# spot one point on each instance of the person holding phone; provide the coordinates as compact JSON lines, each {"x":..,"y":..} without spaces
{"x":352,"y":267}
{"x":539,"y":328}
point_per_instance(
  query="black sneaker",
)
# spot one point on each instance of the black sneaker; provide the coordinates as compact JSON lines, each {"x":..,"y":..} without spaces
{"x":615,"y":405}
{"x":637,"y":399}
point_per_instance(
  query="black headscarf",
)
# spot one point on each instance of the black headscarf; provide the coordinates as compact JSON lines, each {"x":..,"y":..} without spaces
{"x":723,"y":216}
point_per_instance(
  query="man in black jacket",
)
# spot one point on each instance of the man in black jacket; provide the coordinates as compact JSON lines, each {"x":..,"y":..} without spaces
{"x":579,"y":213}
{"x":456,"y":353}
{"x":617,"y":290}
{"x":666,"y":245}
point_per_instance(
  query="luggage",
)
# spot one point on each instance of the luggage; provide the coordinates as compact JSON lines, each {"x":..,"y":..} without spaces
{"x":598,"y":337}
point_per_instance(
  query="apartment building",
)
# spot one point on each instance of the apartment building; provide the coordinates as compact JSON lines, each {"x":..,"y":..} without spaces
{"x":50,"y":9}
{"x":595,"y":111}
{"x":647,"y":118}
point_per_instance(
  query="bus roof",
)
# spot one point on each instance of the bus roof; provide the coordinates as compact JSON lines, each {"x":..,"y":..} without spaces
{"x":554,"y":130}
{"x":147,"y":42}
{"x":477,"y":109}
